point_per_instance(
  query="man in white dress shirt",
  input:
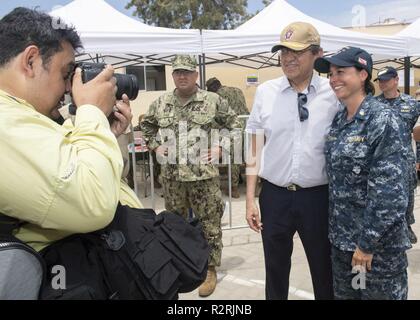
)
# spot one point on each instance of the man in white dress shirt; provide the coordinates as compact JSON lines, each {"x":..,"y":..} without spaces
{"x":293,"y":114}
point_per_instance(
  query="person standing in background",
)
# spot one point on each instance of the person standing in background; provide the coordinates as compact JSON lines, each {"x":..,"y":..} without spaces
{"x":236,"y":101}
{"x":409,"y":110}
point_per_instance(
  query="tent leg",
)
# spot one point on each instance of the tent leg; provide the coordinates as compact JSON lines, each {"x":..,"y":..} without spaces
{"x":133,"y":160}
{"x":200,"y":69}
{"x":203,"y":67}
{"x":407,"y":65}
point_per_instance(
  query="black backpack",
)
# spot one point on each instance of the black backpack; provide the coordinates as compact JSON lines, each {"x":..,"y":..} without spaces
{"x":140,"y":255}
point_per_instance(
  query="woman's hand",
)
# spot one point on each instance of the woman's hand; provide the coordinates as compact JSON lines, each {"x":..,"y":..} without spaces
{"x":362,"y":259}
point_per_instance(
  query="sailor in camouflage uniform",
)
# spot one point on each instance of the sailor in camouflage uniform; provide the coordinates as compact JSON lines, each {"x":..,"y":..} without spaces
{"x":409,"y":111}
{"x":366,"y":165}
{"x":236,"y":101}
{"x":188,"y":157}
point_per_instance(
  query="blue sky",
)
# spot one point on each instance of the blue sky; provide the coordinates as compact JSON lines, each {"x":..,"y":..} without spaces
{"x":337,"y":12}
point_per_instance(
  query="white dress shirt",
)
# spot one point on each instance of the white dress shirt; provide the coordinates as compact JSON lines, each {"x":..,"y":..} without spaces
{"x":293,"y":150}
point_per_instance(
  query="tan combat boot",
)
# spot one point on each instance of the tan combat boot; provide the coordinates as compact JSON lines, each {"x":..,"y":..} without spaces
{"x":208,"y":286}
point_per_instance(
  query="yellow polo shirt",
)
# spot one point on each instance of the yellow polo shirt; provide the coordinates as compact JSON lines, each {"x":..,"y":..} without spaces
{"x":61,"y":179}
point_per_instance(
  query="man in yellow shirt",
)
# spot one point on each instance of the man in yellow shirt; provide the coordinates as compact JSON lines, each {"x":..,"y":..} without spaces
{"x":61,"y":179}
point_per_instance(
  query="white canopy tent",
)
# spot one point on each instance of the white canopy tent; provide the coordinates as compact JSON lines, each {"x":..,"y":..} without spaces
{"x":412,"y":35}
{"x":261,"y":32}
{"x":124,"y":41}
{"x":121,"y":39}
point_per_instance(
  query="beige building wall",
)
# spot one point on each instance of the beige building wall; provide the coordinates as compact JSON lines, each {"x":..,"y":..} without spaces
{"x":236,"y":76}
{"x":386,"y":30}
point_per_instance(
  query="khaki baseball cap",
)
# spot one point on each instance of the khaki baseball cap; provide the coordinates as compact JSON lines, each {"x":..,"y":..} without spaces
{"x":184,"y":62}
{"x":298,"y":36}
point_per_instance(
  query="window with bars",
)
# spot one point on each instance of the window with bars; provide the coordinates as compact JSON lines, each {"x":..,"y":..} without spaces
{"x":150,"y":78}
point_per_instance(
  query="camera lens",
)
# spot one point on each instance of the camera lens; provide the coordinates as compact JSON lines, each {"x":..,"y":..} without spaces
{"x":128,"y":84}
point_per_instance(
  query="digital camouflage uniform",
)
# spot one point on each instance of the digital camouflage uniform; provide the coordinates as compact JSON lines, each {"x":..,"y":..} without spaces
{"x":418,"y":152}
{"x":236,"y":101}
{"x":409,"y":110}
{"x":185,"y":184}
{"x":366,"y":163}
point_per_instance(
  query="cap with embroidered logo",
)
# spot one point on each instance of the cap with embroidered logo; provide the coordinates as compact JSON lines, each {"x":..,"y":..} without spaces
{"x":387,"y":73}
{"x":346,"y":57}
{"x":298,"y":36}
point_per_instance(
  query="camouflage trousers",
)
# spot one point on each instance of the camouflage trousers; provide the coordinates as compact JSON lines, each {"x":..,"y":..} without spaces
{"x":386,"y":281}
{"x":409,"y":216}
{"x":235,"y":171}
{"x":205,"y":199}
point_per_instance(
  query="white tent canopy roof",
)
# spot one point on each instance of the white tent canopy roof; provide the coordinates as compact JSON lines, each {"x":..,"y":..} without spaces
{"x":105,"y":30}
{"x":411,"y":30}
{"x":412,"y":34}
{"x":261,"y":32}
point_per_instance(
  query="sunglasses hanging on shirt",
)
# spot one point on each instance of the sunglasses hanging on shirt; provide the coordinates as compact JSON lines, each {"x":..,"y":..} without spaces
{"x":303,"y":111}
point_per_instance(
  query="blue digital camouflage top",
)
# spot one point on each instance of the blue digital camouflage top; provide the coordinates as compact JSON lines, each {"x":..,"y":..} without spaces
{"x":368,"y":190}
{"x":409,"y":110}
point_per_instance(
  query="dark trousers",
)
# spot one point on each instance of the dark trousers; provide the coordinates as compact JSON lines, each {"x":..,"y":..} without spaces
{"x":283,"y":213}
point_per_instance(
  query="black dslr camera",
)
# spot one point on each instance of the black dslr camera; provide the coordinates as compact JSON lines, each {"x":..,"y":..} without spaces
{"x":126,"y":83}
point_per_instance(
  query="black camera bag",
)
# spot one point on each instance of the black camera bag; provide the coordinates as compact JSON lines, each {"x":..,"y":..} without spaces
{"x":140,"y":255}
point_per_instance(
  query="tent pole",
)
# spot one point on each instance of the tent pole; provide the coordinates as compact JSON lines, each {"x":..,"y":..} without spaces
{"x":407,"y":65}
{"x":200,"y":69}
{"x":203,"y":60}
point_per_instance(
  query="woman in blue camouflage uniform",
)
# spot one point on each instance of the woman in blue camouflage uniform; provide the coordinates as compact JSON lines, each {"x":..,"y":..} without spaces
{"x":366,"y":166}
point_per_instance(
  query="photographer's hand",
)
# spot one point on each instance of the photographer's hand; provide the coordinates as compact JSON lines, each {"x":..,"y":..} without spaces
{"x":122,"y":117}
{"x":99,"y":92}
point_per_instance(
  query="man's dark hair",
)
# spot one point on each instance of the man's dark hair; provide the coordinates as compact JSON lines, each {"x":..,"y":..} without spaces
{"x":315,"y":49}
{"x":23,"y":27}
{"x":214,"y":86}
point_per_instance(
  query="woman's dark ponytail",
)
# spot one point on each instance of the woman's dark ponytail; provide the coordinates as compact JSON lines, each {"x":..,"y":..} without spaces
{"x":369,"y":87}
